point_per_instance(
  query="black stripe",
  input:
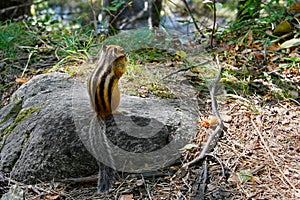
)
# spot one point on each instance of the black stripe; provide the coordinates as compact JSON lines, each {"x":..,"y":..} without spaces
{"x":97,"y":102}
{"x":110,"y":88}
{"x":100,"y":88}
{"x":99,"y":84}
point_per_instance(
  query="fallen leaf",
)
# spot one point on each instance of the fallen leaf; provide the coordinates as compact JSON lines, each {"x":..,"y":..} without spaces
{"x":274,"y":47}
{"x":295,"y":6}
{"x":290,"y":43}
{"x":250,"y":38}
{"x":190,"y":147}
{"x":52,"y":197}
{"x":204,"y":123}
{"x":258,"y":56}
{"x":212,"y":120}
{"x":244,"y":176}
{"x":126,"y":197}
{"x":283,"y":27}
{"x":21,"y":80}
{"x":181,"y":54}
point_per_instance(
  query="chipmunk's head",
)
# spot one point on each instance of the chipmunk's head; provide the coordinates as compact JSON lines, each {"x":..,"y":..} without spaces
{"x":115,"y":57}
{"x":112,"y":52}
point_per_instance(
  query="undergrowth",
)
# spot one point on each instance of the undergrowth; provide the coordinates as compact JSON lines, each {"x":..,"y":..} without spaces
{"x":254,"y":61}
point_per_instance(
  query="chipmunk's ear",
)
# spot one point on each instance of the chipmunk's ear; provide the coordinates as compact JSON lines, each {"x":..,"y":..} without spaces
{"x":104,"y":47}
{"x":118,"y":52}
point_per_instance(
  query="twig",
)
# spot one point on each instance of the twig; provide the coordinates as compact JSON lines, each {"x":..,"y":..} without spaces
{"x":15,"y":7}
{"x":135,"y":17}
{"x":282,"y":37}
{"x":203,"y":180}
{"x":146,"y":187}
{"x":220,"y":162}
{"x":36,"y":189}
{"x":214,"y":24}
{"x":252,"y":195}
{"x":94,"y":14}
{"x":194,"y":21}
{"x":116,"y":16}
{"x":3,"y":10}
{"x":29,"y":57}
{"x":185,"y":69}
{"x":271,"y":154}
{"x":213,"y":138}
{"x":89,"y":179}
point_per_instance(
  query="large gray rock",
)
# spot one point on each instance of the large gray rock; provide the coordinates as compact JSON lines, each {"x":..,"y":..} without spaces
{"x":49,"y":131}
{"x":38,"y":136}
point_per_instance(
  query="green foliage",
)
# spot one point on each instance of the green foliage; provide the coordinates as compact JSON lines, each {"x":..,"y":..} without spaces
{"x":262,"y":17}
{"x":150,"y":55}
{"x":46,"y":37}
{"x":12,"y":37}
{"x":140,"y":38}
{"x":251,"y":71}
{"x":248,"y":9}
{"x":116,"y":4}
{"x":40,"y":44}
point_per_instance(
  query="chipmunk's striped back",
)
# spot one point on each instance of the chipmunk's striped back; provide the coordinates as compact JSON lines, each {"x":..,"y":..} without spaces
{"x":103,"y":82}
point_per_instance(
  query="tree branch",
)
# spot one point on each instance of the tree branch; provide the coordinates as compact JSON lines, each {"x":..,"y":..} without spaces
{"x":214,"y":137}
{"x":194,"y":21}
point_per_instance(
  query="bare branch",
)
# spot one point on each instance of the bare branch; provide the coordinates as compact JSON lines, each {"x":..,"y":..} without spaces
{"x":214,"y":24}
{"x":186,"y":69}
{"x":214,"y":137}
{"x":94,"y":14}
{"x":194,"y":21}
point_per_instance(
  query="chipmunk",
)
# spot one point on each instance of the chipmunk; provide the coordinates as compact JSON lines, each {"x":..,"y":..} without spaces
{"x":103,"y":81}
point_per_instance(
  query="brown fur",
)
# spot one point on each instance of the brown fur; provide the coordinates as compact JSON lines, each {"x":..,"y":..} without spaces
{"x":103,"y":81}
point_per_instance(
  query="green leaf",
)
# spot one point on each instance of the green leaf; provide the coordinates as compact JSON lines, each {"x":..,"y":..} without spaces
{"x":181,"y":54}
{"x":219,"y":6}
{"x":283,"y":27}
{"x":244,"y":175}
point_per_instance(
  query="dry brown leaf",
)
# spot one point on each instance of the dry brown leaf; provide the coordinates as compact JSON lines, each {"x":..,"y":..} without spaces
{"x":21,"y":81}
{"x":212,"y":120}
{"x":274,"y":47}
{"x":295,"y":6}
{"x":256,"y":46}
{"x":204,"y":123}
{"x":270,"y":68}
{"x":52,"y":197}
{"x":258,"y":56}
{"x":253,"y":144}
{"x":126,"y":197}
{"x":250,"y":38}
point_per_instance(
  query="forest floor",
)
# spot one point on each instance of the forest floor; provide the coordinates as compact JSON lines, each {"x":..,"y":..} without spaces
{"x":257,"y":157}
